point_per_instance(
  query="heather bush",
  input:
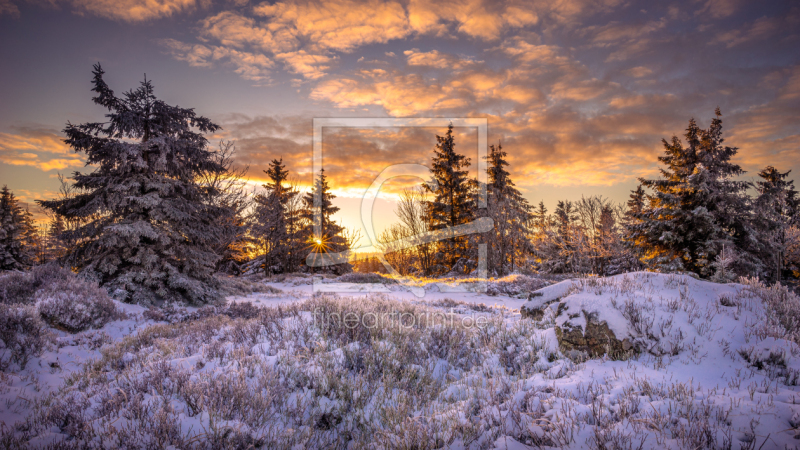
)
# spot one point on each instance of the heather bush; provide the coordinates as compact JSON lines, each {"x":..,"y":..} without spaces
{"x":21,"y":287}
{"x":782,"y":308}
{"x":230,"y":285}
{"x":360,"y":277}
{"x":16,"y":287}
{"x":63,"y":299}
{"x":23,"y":335}
{"x":75,"y":305}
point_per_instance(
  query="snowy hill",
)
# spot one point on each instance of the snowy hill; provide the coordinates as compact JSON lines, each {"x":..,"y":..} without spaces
{"x":639,"y":360}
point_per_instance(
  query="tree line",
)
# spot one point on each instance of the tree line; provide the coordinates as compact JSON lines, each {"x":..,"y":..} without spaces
{"x":162,"y":212}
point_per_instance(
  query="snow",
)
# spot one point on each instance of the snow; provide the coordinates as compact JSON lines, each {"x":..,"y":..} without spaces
{"x":709,"y":371}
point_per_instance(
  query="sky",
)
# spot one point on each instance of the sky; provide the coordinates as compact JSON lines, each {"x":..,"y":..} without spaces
{"x":579,"y":92}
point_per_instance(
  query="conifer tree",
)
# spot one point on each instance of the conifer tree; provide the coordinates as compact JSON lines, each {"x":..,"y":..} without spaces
{"x":16,"y":233}
{"x":329,"y":237}
{"x":696,"y":207}
{"x":635,"y":206}
{"x":453,"y":203}
{"x":276,"y":227}
{"x":57,"y":247}
{"x":540,"y":218}
{"x":146,"y":230}
{"x":776,"y":209}
{"x":508,"y":242}
{"x":557,"y":249}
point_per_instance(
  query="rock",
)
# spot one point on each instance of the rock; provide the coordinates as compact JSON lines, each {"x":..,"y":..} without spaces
{"x":533,"y":313}
{"x":596,"y":340}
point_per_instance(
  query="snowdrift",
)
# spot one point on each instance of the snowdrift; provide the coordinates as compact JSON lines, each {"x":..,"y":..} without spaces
{"x":679,"y":363}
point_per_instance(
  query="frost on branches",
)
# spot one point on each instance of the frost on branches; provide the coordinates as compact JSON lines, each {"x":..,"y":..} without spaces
{"x":145,"y":232}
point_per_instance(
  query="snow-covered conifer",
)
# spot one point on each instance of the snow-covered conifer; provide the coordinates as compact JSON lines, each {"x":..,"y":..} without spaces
{"x":145,"y":228}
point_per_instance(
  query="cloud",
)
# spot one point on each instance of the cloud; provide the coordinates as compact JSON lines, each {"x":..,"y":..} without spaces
{"x":638,"y":71}
{"x":6,"y":7}
{"x":760,"y":29}
{"x":250,"y":66}
{"x":308,"y":36}
{"x":136,"y":10}
{"x":719,"y":8}
{"x":40,"y":148}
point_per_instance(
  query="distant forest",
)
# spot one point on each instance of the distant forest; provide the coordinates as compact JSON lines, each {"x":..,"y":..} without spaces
{"x":163,"y":211}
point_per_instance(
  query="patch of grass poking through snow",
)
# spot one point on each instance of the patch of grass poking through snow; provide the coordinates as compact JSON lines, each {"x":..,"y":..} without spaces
{"x":711,"y":369}
{"x":325,"y":373}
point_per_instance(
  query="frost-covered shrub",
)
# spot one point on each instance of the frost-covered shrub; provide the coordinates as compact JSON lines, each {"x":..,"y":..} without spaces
{"x":243,"y":286}
{"x":75,"y":305}
{"x":16,"y":287}
{"x":359,"y":277}
{"x":782,"y":305}
{"x":23,"y":335}
{"x":21,"y":287}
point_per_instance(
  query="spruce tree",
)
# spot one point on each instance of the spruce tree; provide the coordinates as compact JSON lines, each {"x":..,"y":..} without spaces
{"x":776,"y":209}
{"x":511,"y":213}
{"x":276,"y":227}
{"x":57,"y":247}
{"x":635,"y":206}
{"x":453,"y":203}
{"x":696,"y":207}
{"x":540,"y":218}
{"x":16,"y":233}
{"x":146,"y":229}
{"x":329,"y":237}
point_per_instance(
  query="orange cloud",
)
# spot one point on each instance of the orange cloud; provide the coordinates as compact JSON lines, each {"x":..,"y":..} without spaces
{"x":42,"y":149}
{"x":306,"y":36}
{"x":250,"y":66}
{"x":137,"y":11}
{"x":436,"y":59}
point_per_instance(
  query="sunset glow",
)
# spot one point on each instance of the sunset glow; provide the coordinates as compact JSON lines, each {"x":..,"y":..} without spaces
{"x":579,"y":93}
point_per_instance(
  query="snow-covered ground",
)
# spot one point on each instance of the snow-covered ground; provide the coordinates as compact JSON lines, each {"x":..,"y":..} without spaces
{"x":706,"y":366}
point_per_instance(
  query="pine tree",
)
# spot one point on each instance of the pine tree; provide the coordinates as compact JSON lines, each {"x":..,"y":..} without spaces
{"x":276,"y":227}
{"x":146,"y":231}
{"x":635,"y":206}
{"x":508,"y":242}
{"x":696,"y":208}
{"x":776,"y":209}
{"x":453,"y":203}
{"x":57,"y":247}
{"x":16,"y":233}
{"x":558,"y":248}
{"x":540,"y":218}
{"x":321,"y":233}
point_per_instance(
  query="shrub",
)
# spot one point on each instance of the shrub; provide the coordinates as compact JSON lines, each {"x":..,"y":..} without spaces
{"x":242,"y":286}
{"x":359,"y":277}
{"x":782,"y":308}
{"x":16,"y":287}
{"x":21,"y":287}
{"x":74,"y":305}
{"x":23,"y":335}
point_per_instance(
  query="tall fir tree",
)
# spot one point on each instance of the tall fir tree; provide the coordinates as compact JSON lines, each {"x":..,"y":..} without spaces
{"x":776,"y":209}
{"x":633,"y":242}
{"x":145,"y":230}
{"x":57,"y":246}
{"x":17,"y":233}
{"x":508,"y":243}
{"x":320,"y":232}
{"x":276,"y":226}
{"x":696,"y":207}
{"x":453,"y":202}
